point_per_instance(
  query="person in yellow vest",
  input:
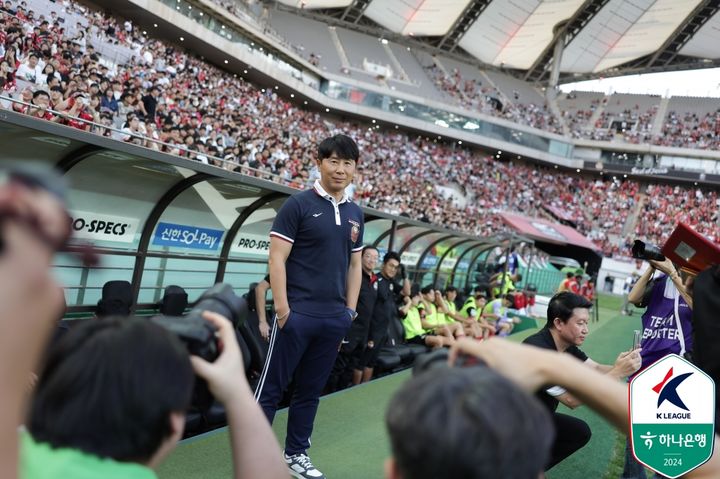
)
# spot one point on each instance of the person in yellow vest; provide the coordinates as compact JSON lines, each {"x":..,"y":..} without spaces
{"x":565,"y":285}
{"x":504,"y":283}
{"x":410,"y":313}
{"x":472,"y":311}
{"x":448,"y":308}
{"x":496,"y":311}
{"x":432,"y":322}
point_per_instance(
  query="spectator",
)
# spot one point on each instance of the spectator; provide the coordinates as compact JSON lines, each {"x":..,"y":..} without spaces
{"x":30,"y":71}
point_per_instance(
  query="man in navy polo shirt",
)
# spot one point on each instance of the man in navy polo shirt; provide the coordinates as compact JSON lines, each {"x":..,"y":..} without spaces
{"x":316,"y":271}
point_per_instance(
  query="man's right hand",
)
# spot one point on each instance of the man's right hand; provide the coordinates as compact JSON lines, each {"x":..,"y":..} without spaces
{"x":281,"y":318}
{"x":627,"y":363}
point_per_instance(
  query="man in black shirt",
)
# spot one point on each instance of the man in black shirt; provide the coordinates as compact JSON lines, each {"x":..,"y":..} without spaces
{"x":150,"y":102}
{"x":347,"y":364}
{"x":385,"y":309}
{"x":566,"y":329}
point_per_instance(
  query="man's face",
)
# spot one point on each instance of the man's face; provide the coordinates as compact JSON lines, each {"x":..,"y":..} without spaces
{"x":42,"y":101}
{"x":336,"y":173}
{"x":481,"y":301}
{"x":32,"y":61}
{"x":575,"y":330}
{"x":451,"y":295}
{"x":369,"y":259}
{"x":390,"y":268}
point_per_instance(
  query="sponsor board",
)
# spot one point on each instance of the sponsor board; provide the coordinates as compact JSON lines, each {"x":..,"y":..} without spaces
{"x":245,"y":243}
{"x":185,"y":236}
{"x":103,"y":227}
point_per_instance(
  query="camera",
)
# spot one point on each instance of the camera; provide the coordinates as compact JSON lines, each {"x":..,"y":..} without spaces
{"x":641,"y":250}
{"x":198,"y":335}
{"x":438,"y":359}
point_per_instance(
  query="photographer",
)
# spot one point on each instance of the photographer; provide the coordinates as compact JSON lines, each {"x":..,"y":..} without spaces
{"x":468,"y":423}
{"x":532,"y":368}
{"x":566,"y":329}
{"x":33,"y":224}
{"x":118,"y":390}
{"x":667,"y":326}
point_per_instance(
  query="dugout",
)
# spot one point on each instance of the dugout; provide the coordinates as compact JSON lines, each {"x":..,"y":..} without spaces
{"x":158,"y":219}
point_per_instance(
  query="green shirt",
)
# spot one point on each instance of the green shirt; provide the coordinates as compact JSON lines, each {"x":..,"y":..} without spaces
{"x":434,"y":318}
{"x":469,"y":305}
{"x":38,"y":460}
{"x":411,"y":323}
{"x":450,"y":305}
{"x":496,"y":307}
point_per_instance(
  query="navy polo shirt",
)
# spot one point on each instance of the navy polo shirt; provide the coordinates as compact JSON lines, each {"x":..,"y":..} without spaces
{"x":324,"y":234}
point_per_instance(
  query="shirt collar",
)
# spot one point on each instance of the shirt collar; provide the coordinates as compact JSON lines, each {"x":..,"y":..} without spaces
{"x":321,"y":191}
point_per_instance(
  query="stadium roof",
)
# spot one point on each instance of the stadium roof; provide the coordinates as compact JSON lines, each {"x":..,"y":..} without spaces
{"x":601,"y":37}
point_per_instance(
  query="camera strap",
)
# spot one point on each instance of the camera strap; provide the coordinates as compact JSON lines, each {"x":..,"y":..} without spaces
{"x":681,"y":335}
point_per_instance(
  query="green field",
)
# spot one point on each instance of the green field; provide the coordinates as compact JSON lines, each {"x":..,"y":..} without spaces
{"x":349,"y":440}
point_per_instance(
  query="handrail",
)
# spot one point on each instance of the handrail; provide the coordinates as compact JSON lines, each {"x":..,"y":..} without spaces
{"x":243,"y":169}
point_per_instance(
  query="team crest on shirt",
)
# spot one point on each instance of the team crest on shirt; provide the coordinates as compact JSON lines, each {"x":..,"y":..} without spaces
{"x":354,"y":231}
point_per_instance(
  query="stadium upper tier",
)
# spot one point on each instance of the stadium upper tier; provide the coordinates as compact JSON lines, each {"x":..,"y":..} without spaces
{"x":164,"y":98}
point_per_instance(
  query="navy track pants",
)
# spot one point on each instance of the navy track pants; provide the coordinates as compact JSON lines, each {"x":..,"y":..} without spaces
{"x":304,"y":350}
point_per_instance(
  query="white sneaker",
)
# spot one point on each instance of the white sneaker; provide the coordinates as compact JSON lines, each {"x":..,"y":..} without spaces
{"x":300,"y":467}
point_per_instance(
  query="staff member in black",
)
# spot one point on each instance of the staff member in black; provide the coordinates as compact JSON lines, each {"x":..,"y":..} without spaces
{"x":348,"y":363}
{"x":385,"y":309}
{"x":567,"y":326}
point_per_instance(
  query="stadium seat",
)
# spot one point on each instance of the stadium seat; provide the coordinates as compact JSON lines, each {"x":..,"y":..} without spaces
{"x":116,"y":299}
{"x":387,"y":361}
{"x":174,"y":301}
{"x":396,"y":344}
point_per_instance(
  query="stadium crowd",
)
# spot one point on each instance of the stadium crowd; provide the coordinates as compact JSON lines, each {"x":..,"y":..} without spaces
{"x":473,"y":95}
{"x":165,"y":99}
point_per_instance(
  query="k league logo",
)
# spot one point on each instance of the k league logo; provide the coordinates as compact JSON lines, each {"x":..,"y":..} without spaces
{"x":672,"y":416}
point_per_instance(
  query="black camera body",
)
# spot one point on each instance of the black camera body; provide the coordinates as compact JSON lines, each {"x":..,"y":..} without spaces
{"x":438,"y":359}
{"x":198,"y":335}
{"x":641,"y":250}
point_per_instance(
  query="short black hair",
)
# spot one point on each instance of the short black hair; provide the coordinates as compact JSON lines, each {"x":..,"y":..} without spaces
{"x":108,"y":389}
{"x":427,"y":289}
{"x":569,"y":274}
{"x":561,"y":306}
{"x":470,"y":423}
{"x":342,"y":145}
{"x":450,"y":289}
{"x":368,"y":247}
{"x":40,"y":93}
{"x":391,"y":255}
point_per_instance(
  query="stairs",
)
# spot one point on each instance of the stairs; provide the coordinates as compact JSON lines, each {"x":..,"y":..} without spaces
{"x":396,"y":64}
{"x":631,"y":221}
{"x":590,"y":125}
{"x":339,"y":47}
{"x":551,"y":100}
{"x":659,"y":119}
